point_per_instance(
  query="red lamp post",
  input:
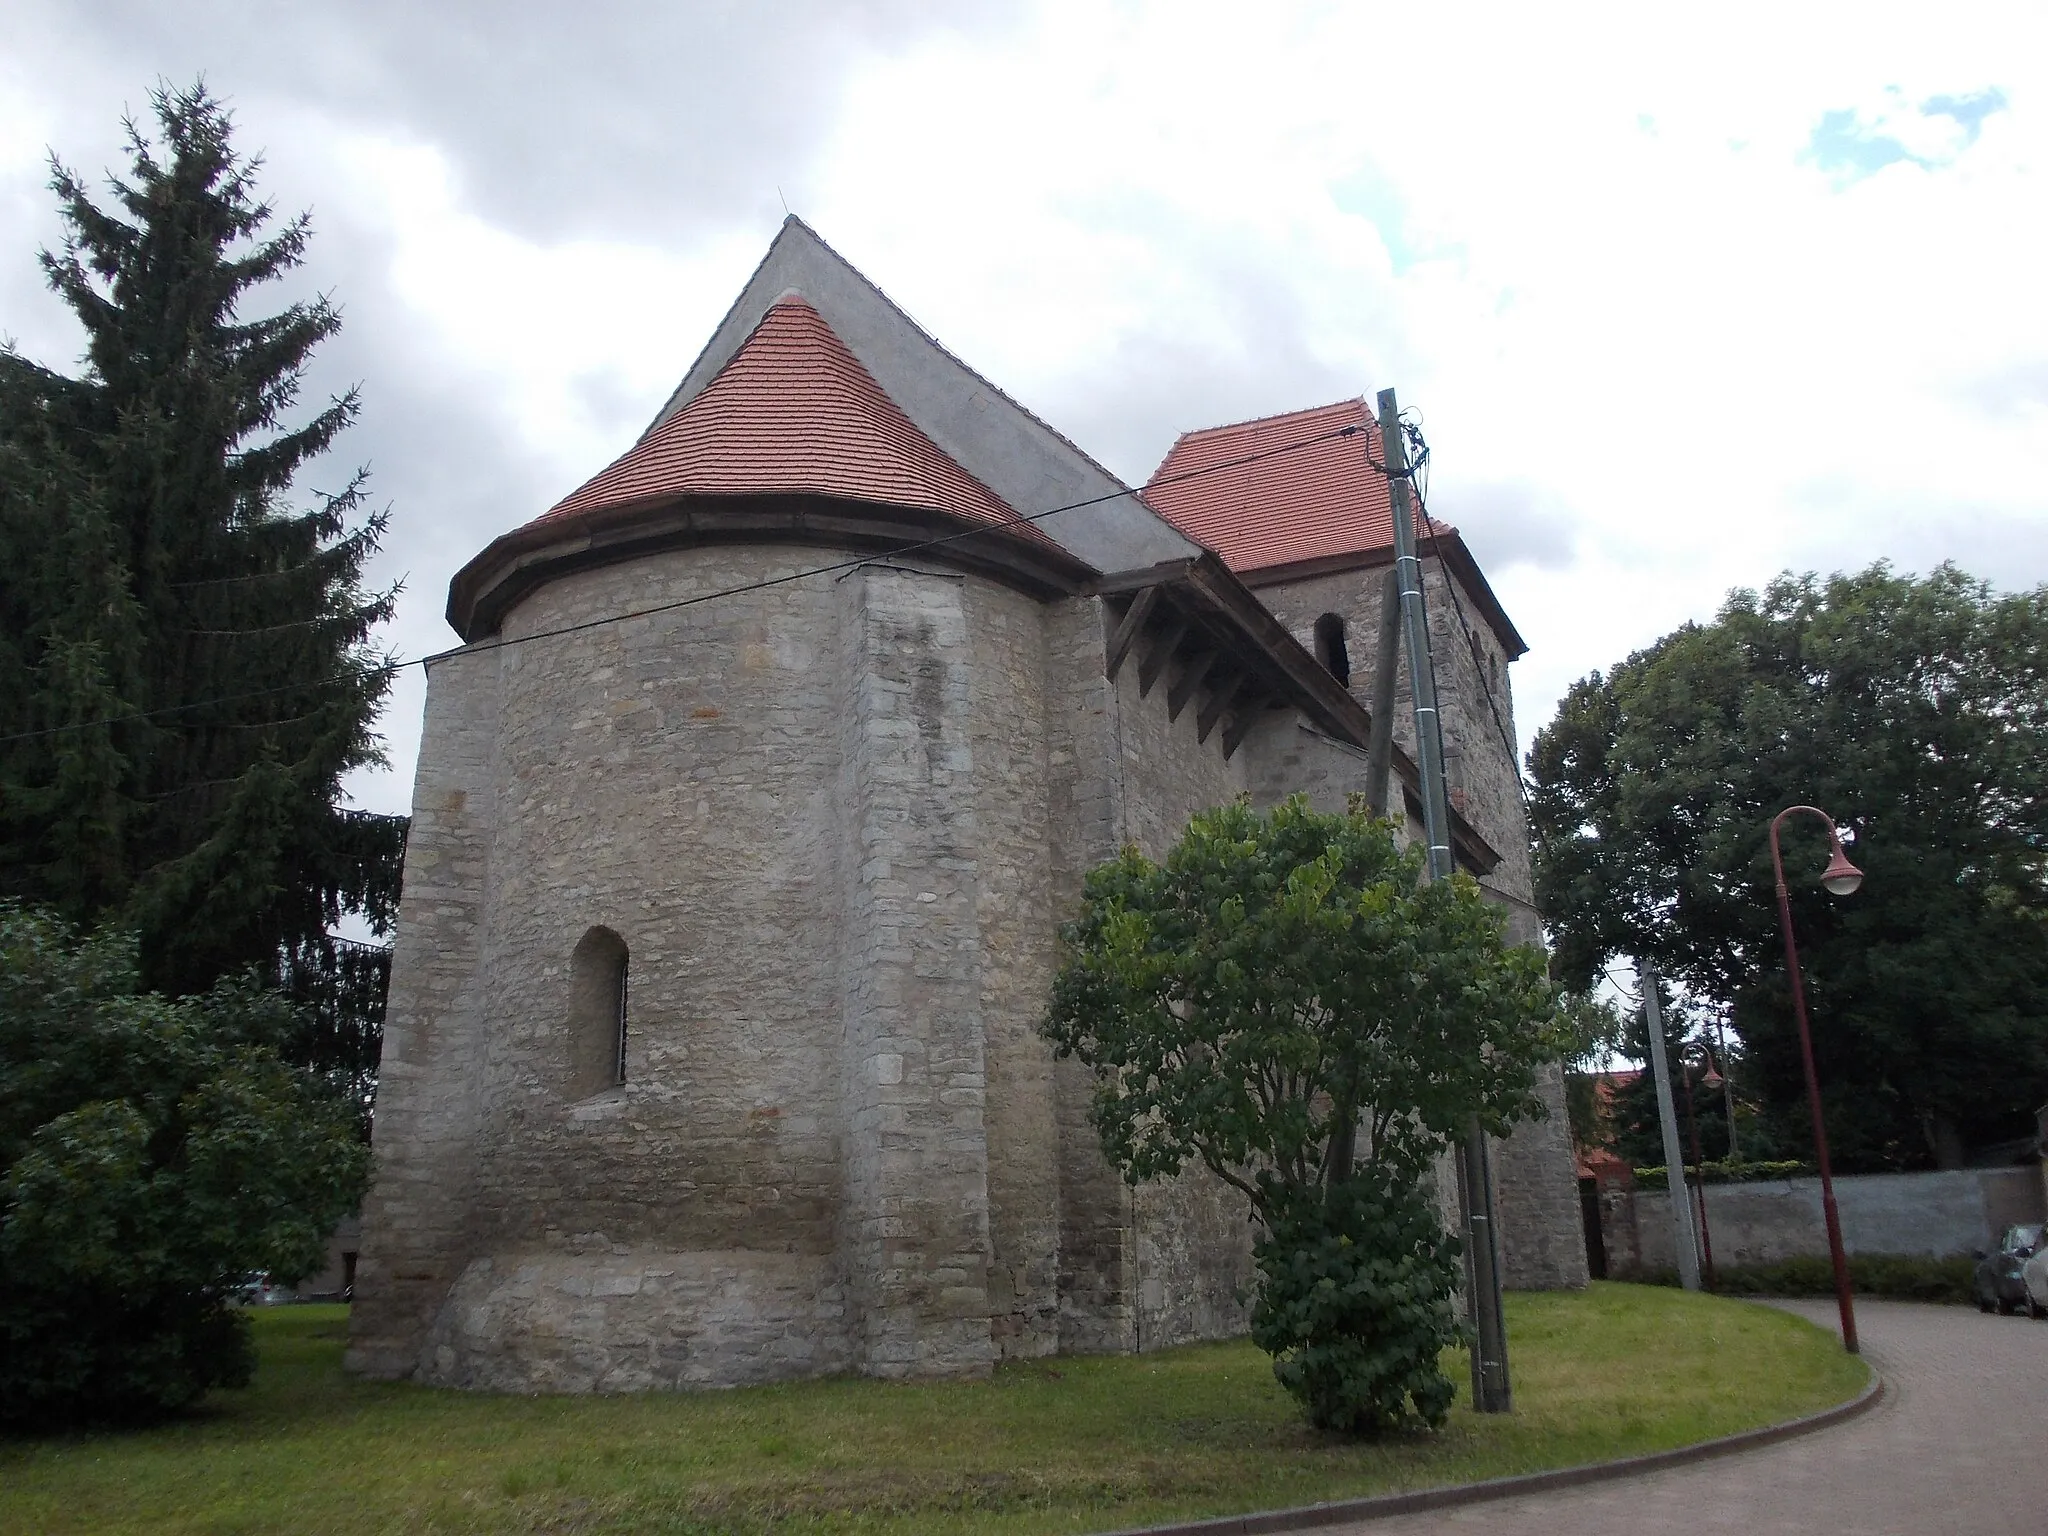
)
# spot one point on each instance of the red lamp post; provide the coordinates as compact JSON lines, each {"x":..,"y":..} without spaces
{"x":1841,"y":879}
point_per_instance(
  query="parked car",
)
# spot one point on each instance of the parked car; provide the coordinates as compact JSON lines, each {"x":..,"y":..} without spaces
{"x":259,"y":1290}
{"x":2001,"y":1283}
{"x":2036,"y":1277}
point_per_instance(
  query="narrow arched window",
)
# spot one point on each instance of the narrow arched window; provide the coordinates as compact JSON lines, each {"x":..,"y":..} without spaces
{"x":597,"y":1013}
{"x":1331,"y":650}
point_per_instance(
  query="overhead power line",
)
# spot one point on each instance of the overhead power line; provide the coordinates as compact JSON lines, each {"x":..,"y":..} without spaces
{"x":393,"y":667}
{"x":1418,"y":477}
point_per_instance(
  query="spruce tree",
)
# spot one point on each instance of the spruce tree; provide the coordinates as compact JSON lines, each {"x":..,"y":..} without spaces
{"x":187,"y":667}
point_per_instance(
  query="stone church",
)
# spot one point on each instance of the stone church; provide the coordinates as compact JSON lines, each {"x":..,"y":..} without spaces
{"x":746,"y":817}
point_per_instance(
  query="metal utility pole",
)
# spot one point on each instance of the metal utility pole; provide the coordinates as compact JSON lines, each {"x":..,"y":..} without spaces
{"x":1491,"y":1392}
{"x":1667,"y":1118}
{"x":1727,"y":1089}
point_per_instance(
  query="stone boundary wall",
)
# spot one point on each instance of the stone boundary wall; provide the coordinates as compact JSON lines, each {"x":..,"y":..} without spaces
{"x":1936,"y":1213}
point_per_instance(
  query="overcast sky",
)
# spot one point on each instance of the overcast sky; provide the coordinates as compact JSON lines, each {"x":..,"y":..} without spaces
{"x":1683,"y":302}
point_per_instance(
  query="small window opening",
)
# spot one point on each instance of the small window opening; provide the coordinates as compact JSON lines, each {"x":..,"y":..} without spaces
{"x":1331,"y":650}
{"x":597,"y":1013}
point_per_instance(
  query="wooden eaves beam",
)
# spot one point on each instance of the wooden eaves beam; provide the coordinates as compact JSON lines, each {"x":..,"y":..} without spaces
{"x":1128,"y":629}
{"x":1158,"y":654}
{"x":1189,"y":682}
{"x":1221,"y":699}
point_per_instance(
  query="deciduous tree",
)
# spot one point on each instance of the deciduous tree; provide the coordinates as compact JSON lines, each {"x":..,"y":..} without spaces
{"x":1288,"y":1002}
{"x":1913,"y":710}
{"x":152,"y":1153}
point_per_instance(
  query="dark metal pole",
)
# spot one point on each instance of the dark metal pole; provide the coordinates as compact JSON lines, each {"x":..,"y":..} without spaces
{"x":1727,"y":1089}
{"x":1699,"y":1179}
{"x":1840,"y":1260}
{"x":1491,"y":1391}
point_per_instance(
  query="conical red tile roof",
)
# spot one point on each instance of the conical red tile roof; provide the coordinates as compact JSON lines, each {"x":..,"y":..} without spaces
{"x":1307,"y":503}
{"x":793,"y":412}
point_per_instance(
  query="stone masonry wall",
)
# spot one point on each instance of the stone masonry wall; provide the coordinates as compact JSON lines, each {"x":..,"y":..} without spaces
{"x":1018,"y":954}
{"x":1096,"y":1284}
{"x":416,"y":1215}
{"x":915,"y":1222}
{"x":836,"y":824}
{"x":1161,"y":1264}
{"x":665,"y":778}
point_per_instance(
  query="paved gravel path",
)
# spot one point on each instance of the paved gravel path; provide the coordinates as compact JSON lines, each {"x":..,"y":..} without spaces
{"x":1958,"y":1447}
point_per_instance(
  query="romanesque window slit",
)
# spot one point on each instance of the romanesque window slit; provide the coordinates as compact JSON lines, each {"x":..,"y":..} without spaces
{"x":1331,"y":650}
{"x":597,"y":1013}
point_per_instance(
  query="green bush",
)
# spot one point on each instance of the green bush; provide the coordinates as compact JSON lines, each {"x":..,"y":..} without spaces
{"x":1355,"y":1308}
{"x":153,"y":1152}
{"x":1724,"y":1173}
{"x":1891,"y":1276}
{"x":1288,"y":1001}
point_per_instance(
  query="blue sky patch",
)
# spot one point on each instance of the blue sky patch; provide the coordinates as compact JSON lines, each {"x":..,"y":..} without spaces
{"x":1849,"y":150}
{"x":1970,"y":110}
{"x":1850,"y":146}
{"x":1368,"y":195}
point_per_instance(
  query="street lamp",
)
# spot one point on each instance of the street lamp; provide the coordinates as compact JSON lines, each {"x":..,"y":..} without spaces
{"x":1711,"y":1080}
{"x":1841,"y":878}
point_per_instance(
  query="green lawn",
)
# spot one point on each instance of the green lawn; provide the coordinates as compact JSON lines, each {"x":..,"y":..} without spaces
{"x":1058,"y":1445}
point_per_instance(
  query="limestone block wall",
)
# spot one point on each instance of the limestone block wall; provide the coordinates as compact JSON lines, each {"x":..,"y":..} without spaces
{"x":1471,"y":669}
{"x":1159,"y":1265}
{"x":416,"y":1216}
{"x":915,"y":1221}
{"x":833,"y":826}
{"x":666,"y":779}
{"x":1018,"y":932}
{"x":1095,"y":1283}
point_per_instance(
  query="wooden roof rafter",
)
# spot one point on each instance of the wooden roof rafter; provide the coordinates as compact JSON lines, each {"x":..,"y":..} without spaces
{"x":1238,"y":659}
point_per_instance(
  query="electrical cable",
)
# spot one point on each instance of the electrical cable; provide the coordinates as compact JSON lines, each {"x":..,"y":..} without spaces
{"x":1413,"y":432}
{"x":1416,"y":474}
{"x":393,"y":667}
{"x":889,"y":554}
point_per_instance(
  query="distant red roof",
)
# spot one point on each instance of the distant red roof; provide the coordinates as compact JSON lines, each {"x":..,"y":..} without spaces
{"x":1319,"y":500}
{"x":793,"y":412}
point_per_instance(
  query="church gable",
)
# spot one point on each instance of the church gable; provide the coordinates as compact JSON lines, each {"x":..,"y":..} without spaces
{"x":792,"y":412}
{"x":1021,"y":459}
{"x":1301,"y":495}
{"x":1249,"y":493}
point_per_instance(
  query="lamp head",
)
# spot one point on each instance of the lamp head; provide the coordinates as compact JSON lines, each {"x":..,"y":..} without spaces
{"x":1841,"y":877}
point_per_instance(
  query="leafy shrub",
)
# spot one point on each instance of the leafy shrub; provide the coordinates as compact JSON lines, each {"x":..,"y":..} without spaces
{"x":1356,"y":1307}
{"x":1725,"y":1173}
{"x":153,"y":1152}
{"x":1890,"y":1276}
{"x":1289,"y":1001}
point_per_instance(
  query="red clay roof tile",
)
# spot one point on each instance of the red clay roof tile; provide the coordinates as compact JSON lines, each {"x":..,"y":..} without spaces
{"x":793,"y":412}
{"x":1322,"y":499}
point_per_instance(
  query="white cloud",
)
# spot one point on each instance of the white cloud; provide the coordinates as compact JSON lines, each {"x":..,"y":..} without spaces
{"x":569,"y":340}
{"x":1662,"y":345}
